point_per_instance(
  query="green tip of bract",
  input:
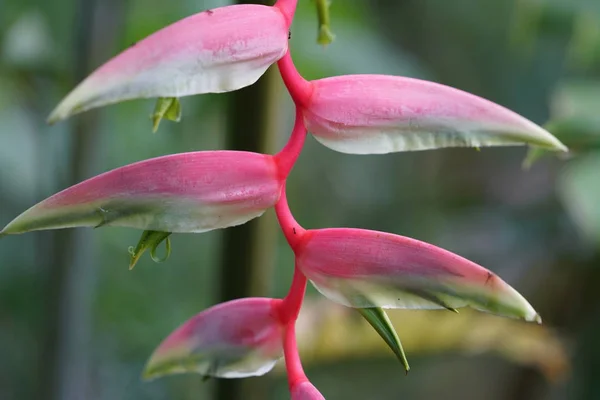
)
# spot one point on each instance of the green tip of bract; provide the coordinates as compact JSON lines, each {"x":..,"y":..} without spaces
{"x":533,"y":155}
{"x":379,"y":320}
{"x":152,"y":372}
{"x":63,"y":112}
{"x":581,"y":134}
{"x":168,"y":108}
{"x":150,"y":240}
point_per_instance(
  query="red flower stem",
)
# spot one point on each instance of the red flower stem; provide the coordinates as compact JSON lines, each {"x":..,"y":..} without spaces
{"x":291,"y":304}
{"x":291,"y":229}
{"x":288,"y":9}
{"x":300,"y":89}
{"x":287,"y":157}
{"x":293,"y":365}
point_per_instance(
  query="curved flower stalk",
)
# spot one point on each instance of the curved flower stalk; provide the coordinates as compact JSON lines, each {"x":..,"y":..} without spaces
{"x":376,"y":114}
{"x":298,"y":383}
{"x":218,"y":50}
{"x":236,"y":339}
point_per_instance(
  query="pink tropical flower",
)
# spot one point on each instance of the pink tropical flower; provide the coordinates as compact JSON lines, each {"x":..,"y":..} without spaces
{"x":362,"y":268}
{"x":236,"y":339}
{"x":376,"y":114}
{"x":189,"y":192}
{"x":214,"y":51}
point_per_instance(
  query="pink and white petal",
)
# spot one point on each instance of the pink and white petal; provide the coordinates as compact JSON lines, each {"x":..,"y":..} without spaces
{"x":375,"y":114}
{"x":306,"y":391}
{"x":361,"y":268}
{"x":236,"y":339}
{"x":215,"y":51}
{"x":188,"y":192}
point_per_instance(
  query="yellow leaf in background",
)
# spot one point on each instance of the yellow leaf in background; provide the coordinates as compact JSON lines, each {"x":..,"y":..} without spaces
{"x":328,"y":333}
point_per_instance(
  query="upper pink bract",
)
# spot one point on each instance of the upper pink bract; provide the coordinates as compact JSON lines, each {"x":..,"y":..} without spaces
{"x":382,"y":114}
{"x":215,"y":51}
{"x":219,"y":36}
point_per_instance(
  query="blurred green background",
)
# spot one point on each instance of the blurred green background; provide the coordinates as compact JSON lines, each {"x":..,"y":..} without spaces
{"x":75,"y":323}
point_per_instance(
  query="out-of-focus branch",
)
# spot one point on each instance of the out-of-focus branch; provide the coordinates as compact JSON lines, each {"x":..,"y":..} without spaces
{"x":328,"y":332}
{"x":65,"y":353}
{"x":248,"y":251}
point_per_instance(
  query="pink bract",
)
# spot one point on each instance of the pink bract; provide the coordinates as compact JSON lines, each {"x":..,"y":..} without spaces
{"x":189,"y":192}
{"x":236,"y":339}
{"x":363,"y":268}
{"x":371,"y":114}
{"x":214,"y":51}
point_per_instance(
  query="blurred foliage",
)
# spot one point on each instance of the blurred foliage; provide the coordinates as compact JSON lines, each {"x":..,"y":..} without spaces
{"x":328,"y":333}
{"x":540,"y":58}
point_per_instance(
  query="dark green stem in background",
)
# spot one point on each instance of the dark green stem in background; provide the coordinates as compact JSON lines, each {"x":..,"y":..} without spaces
{"x":65,"y":354}
{"x":248,"y":251}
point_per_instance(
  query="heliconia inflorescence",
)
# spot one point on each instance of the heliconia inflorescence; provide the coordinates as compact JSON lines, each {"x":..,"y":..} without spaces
{"x":228,"y":48}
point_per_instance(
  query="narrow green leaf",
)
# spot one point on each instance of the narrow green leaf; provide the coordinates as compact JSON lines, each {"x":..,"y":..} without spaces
{"x":379,"y":320}
{"x":579,"y":192}
{"x":150,"y":240}
{"x":534,"y":154}
{"x":168,"y":108}
{"x":325,"y":35}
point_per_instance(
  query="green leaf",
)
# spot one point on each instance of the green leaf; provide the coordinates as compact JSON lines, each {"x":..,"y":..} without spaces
{"x":150,"y":240}
{"x":379,"y":320}
{"x":325,"y":35}
{"x":580,"y":193}
{"x":168,"y":108}
{"x":328,"y":334}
